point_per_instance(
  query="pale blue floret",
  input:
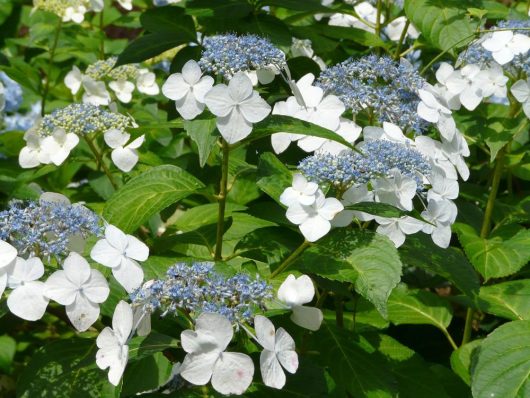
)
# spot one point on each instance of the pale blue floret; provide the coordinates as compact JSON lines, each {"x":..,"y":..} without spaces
{"x":380,"y":85}
{"x":12,"y":94}
{"x":82,"y":119}
{"x":198,"y":288}
{"x":227,"y":54}
{"x":478,"y":55}
{"x":377,"y":159}
{"x":44,"y":229}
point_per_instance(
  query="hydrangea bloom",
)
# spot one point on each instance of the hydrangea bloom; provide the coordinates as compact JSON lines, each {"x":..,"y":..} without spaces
{"x":69,"y":10}
{"x":12,"y":93}
{"x":46,"y":228}
{"x":198,"y":288}
{"x":228,"y":54}
{"x":377,"y":84}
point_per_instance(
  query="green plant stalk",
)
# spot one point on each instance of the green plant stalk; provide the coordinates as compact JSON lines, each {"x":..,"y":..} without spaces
{"x":485,"y":229}
{"x":378,"y":18}
{"x":102,"y":37}
{"x":293,"y":256}
{"x":449,"y":338}
{"x":100,"y":163}
{"x":221,"y":198}
{"x":46,"y":88}
{"x":401,"y":40}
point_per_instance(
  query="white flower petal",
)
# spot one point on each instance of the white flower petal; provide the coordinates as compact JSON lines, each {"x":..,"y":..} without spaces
{"x":122,"y":321}
{"x":307,"y":317}
{"x":198,"y":368}
{"x":129,"y":274}
{"x":232,"y":373}
{"x":8,"y":254}
{"x":60,"y":289}
{"x":82,"y":313}
{"x":234,"y":127}
{"x":28,"y":301}
{"x":271,"y":370}
{"x":105,"y":254}
{"x":124,"y":158}
{"x":265,"y":332}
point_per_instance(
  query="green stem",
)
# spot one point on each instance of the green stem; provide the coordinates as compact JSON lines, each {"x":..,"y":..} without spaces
{"x":221,"y":198}
{"x":485,"y":229}
{"x":401,"y":40}
{"x":294,"y":255}
{"x":46,"y":88}
{"x":378,"y":18}
{"x":102,"y":37}
{"x":449,"y":338}
{"x":100,"y":163}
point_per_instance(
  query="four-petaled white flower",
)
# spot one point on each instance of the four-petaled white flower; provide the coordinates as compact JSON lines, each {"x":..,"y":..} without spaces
{"x":505,"y":45}
{"x":440,"y":214}
{"x":295,"y":292}
{"x":33,"y":153}
{"x":237,"y":106}
{"x":301,"y":191}
{"x":58,"y":145}
{"x":123,"y":90}
{"x":188,"y":89}
{"x":80,"y":289}
{"x":463,"y":83}
{"x":278,"y":350}
{"x":27,"y":300}
{"x":75,"y":14}
{"x":8,"y":255}
{"x":146,"y":82}
{"x":119,"y":252}
{"x":95,"y":92}
{"x":314,"y":220}
{"x":230,"y":372}
{"x":113,"y":350}
{"x":398,"y":190}
{"x":433,"y":109}
{"x":521,"y":92}
{"x":397,"y":228}
{"x":123,"y":155}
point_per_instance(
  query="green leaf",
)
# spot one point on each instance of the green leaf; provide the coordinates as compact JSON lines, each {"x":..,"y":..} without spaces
{"x":202,"y":215}
{"x":509,"y":300}
{"x":451,"y":264}
{"x":64,"y":369}
{"x":378,"y":209}
{"x":503,"y":363}
{"x":201,"y":131}
{"x":368,"y":260}
{"x":443,"y":23}
{"x":274,"y":176}
{"x":499,"y":256}
{"x":142,"y":347}
{"x":147,"y":194}
{"x":354,"y":366}
{"x":151,"y":45}
{"x":286,"y":124}
{"x":146,"y":374}
{"x":461,"y":360}
{"x":170,"y":20}
{"x":417,"y":307}
{"x":8,"y":347}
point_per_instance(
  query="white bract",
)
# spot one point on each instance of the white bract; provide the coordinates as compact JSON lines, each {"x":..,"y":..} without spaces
{"x":206,"y":359}
{"x":432,"y":109}
{"x":73,"y":80}
{"x":75,"y":14}
{"x":120,"y":252}
{"x":8,"y":255}
{"x":521,"y":92}
{"x":278,"y":350}
{"x":397,"y":190}
{"x":314,"y":220}
{"x":146,"y":82}
{"x":123,"y":155}
{"x":33,"y":154}
{"x":123,"y":90}
{"x":389,"y":132}
{"x":127,"y":4}
{"x":58,"y":145}
{"x":295,"y":292}
{"x":463,"y":83}
{"x":394,"y":29}
{"x":237,"y":106}
{"x":440,"y":214}
{"x":80,"y":289}
{"x":397,"y":228}
{"x":188,"y":89}
{"x":27,"y":300}
{"x":353,"y":195}
{"x":113,"y":350}
{"x":301,"y":191}
{"x":505,"y":45}
{"x":95,"y":92}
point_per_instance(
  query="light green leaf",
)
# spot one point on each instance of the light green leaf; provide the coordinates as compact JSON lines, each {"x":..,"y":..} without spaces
{"x":146,"y":374}
{"x":509,"y":300}
{"x":368,"y":260}
{"x":417,"y":307}
{"x":462,"y":358}
{"x":503,"y":363}
{"x":147,"y":194}
{"x":497,"y":256}
{"x":8,"y":347}
{"x":443,"y":23}
{"x":201,"y":131}
{"x":274,"y":176}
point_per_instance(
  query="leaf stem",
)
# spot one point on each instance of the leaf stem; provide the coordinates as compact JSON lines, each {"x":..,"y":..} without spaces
{"x":293,"y":256}
{"x":401,"y":40}
{"x":221,"y":198}
{"x":102,"y":36}
{"x":46,"y":88}
{"x":449,"y":338}
{"x":100,"y":163}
